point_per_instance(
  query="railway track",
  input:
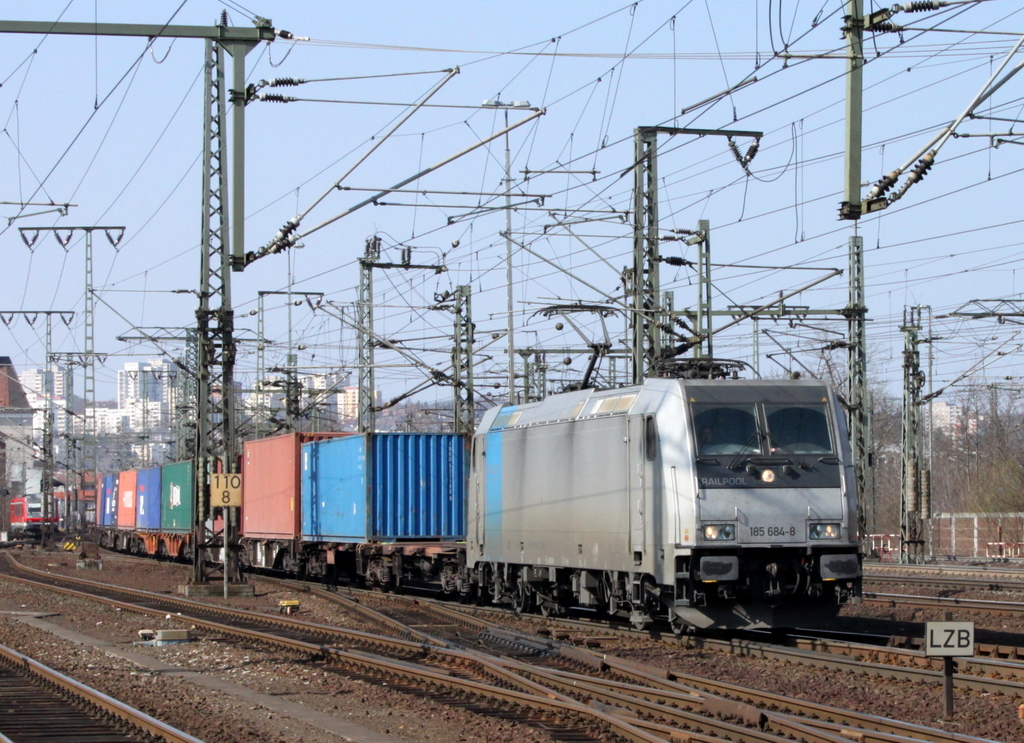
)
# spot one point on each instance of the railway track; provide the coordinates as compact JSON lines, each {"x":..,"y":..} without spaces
{"x":580,"y":694}
{"x":452,"y":654}
{"x":993,"y":670}
{"x":946,"y":603}
{"x":429,"y":669}
{"x":646,"y":690}
{"x":995,"y":584}
{"x":999,"y":571}
{"x":41,"y":704}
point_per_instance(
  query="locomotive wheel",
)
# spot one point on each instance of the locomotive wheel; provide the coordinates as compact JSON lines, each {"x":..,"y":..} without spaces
{"x":524,"y":598}
{"x":548,"y":609}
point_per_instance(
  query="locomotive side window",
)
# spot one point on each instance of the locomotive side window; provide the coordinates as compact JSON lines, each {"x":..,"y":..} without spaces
{"x":726,"y":429}
{"x":650,"y":438}
{"x":798,"y":429}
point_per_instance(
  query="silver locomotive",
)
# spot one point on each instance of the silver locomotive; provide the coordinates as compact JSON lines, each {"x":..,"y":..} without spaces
{"x":706,"y":503}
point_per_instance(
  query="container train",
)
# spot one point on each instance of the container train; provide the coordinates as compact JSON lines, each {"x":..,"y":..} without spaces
{"x":706,"y":503}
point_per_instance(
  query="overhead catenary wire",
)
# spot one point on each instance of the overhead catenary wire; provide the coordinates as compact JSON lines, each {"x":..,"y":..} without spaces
{"x":523,"y":278}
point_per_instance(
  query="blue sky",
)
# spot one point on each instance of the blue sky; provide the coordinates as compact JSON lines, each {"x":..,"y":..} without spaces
{"x":115,"y":127}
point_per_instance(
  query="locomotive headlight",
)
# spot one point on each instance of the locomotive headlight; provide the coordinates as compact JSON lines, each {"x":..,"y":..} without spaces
{"x":825,"y":531}
{"x":719,"y":532}
{"x":768,"y":476}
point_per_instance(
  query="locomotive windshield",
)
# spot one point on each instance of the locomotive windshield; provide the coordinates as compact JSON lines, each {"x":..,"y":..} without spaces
{"x":771,"y":437}
{"x":798,"y":429}
{"x":726,"y":429}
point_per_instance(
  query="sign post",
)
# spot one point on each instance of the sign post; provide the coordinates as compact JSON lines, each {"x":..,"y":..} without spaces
{"x":948,"y":640}
{"x":226,"y":493}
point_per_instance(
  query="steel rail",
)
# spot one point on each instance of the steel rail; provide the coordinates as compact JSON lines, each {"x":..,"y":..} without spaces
{"x":547,"y":701}
{"x":682,"y":709}
{"x":95,"y":699}
{"x":353,"y":604}
{"x":483,"y":665}
{"x":539,"y":697}
{"x":995,"y":608}
{"x":874,"y":659}
{"x":961,"y":583}
{"x":951,"y":569}
{"x":792,"y":723}
{"x":809,"y":712}
{"x":764,"y":710}
{"x":321,"y":630}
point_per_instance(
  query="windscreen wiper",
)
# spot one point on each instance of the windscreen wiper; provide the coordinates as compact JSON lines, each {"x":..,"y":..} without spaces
{"x":743,"y":455}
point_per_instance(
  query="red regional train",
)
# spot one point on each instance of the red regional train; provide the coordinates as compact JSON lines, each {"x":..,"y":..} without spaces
{"x":27,"y":515}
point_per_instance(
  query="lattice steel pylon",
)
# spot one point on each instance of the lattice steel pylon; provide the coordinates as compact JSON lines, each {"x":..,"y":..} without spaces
{"x":644,"y":284}
{"x":64,"y":234}
{"x":366,"y":415}
{"x":46,"y":481}
{"x":911,"y":528}
{"x":367,"y":337}
{"x":462,"y":362}
{"x":216,"y":447}
{"x":215,"y":432}
{"x":185,"y":398}
{"x":858,"y":398}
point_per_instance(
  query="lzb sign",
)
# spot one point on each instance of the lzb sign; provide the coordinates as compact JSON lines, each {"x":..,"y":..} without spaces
{"x":225,"y":489}
{"x":949,"y":638}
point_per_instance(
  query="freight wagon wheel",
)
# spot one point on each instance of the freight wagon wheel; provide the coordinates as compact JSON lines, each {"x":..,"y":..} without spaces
{"x":639,"y":621}
{"x":679,"y":627}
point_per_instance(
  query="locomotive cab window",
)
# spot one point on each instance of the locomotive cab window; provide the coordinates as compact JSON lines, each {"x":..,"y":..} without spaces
{"x":798,"y":429}
{"x":726,"y":429}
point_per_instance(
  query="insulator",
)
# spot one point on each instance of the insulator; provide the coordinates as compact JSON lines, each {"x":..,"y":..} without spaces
{"x":920,"y":6}
{"x":922,"y":167}
{"x":276,"y":98}
{"x":735,"y":151}
{"x":224,"y":18}
{"x":887,"y":27}
{"x":925,"y":164}
{"x":675,"y":260}
{"x":883,"y":185}
{"x":284,"y":82}
{"x":926,"y":493}
{"x":913,"y":490}
{"x":752,"y":150}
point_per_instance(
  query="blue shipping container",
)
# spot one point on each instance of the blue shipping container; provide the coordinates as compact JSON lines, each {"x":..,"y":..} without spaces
{"x":147,"y":500}
{"x":108,"y":502}
{"x":385,"y":487}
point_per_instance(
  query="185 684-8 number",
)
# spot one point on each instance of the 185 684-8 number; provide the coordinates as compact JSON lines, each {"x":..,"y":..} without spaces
{"x":772,"y":531}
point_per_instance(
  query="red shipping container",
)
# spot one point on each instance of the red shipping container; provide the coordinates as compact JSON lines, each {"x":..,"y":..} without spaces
{"x":126,"y":499}
{"x":271,"y":497}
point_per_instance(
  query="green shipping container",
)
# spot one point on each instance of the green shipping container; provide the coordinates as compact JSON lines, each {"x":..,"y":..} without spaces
{"x":176,"y":497}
